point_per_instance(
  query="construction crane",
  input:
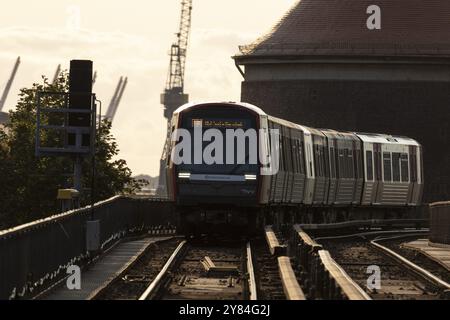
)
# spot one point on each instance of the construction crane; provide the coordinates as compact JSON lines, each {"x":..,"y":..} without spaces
{"x":94,"y":77}
{"x":56,"y":75}
{"x":174,"y":96}
{"x":9,"y":84}
{"x":115,"y":100}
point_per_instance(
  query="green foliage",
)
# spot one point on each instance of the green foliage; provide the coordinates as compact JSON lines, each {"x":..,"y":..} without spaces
{"x":28,"y":185}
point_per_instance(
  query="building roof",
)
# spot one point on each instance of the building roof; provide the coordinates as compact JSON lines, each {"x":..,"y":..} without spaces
{"x":411,"y":28}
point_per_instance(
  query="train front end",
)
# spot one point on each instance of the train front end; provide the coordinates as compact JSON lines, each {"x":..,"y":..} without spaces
{"x":214,"y":165}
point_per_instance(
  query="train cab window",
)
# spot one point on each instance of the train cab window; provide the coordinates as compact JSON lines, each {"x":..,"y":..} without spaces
{"x":369,"y":158}
{"x":396,"y":167}
{"x":404,"y":167}
{"x":387,"y":166}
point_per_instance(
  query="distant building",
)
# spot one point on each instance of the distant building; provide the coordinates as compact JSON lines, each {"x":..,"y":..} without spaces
{"x":321,"y":66}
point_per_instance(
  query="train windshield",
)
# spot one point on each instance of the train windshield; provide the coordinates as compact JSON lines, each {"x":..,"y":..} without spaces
{"x":227,"y":143}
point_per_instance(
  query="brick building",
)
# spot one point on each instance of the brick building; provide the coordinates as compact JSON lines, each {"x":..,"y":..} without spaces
{"x":321,"y":66}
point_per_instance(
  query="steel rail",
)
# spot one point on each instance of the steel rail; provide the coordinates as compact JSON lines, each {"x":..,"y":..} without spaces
{"x":251,"y":273}
{"x":411,"y":265}
{"x":154,"y":285}
{"x":374,"y":233}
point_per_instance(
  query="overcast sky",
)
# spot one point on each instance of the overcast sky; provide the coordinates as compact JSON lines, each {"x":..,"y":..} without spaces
{"x":132,"y":38}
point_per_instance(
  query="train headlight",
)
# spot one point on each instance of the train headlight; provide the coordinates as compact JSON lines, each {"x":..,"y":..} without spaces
{"x":184,"y":175}
{"x":250,"y":177}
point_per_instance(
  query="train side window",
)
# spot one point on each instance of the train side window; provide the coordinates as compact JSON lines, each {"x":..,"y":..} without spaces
{"x":281,"y":154}
{"x":369,"y":158}
{"x":413,"y":162}
{"x":325,"y":161}
{"x":396,"y":166}
{"x":404,"y":167}
{"x":341,"y":163}
{"x":346,"y":164}
{"x":387,"y":166}
{"x":319,"y":162}
{"x":351,"y":164}
{"x":301,"y":157}
{"x":288,"y":155}
{"x":294,"y":155}
{"x":291,"y":155}
{"x":359,"y":164}
{"x":332,"y":164}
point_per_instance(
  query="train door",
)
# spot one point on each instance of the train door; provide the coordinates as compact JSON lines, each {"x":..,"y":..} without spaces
{"x":378,"y":173}
{"x":273,"y":178}
{"x":287,"y":185}
{"x":310,"y":177}
{"x":299,"y":180}
{"x":280,"y":177}
{"x":320,"y":185}
{"x":358,"y":169}
{"x":332,"y":154}
{"x":370,"y":181}
{"x":266,"y":163}
{"x":415,"y":188}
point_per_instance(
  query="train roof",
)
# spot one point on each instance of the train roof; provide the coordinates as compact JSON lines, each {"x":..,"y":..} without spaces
{"x":365,"y":137}
{"x":386,"y":139}
{"x":244,"y":105}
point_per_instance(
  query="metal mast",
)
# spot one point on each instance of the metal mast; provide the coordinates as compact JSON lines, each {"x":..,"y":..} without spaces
{"x":57,"y":72}
{"x":110,"y":112}
{"x":174,"y":96}
{"x":9,"y":84}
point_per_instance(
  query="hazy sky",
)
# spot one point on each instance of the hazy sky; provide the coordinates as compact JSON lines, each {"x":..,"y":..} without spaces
{"x":132,"y":38}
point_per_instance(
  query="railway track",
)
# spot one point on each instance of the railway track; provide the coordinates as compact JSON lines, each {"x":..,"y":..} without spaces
{"x":135,"y":279}
{"x":396,"y":245}
{"x":400,"y":278}
{"x":269,"y":284}
{"x":206,"y":270}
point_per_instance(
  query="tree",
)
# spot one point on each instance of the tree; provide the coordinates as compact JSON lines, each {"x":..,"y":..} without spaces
{"x":28,"y":185}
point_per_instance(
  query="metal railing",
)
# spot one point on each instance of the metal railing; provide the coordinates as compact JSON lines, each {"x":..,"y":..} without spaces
{"x":35,"y":254}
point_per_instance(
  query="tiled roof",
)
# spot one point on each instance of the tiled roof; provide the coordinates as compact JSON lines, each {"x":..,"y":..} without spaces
{"x":339,"y":27}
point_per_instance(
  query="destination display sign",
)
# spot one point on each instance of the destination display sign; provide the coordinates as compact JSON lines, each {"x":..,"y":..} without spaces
{"x":218,"y":123}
